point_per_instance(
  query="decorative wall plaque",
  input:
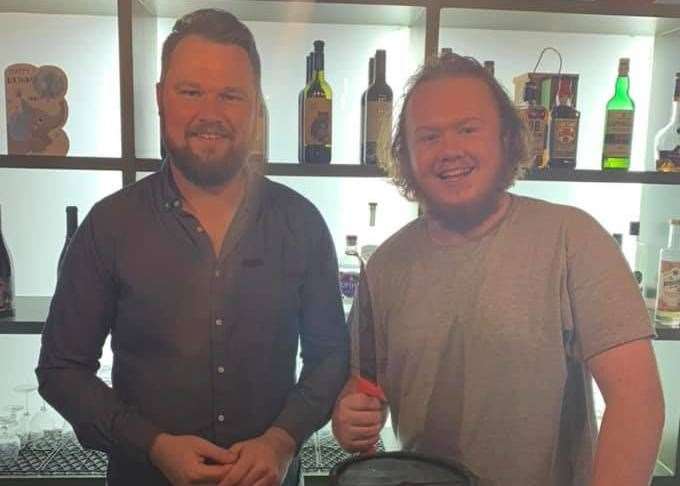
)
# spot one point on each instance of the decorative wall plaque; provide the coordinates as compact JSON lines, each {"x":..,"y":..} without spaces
{"x":36,"y":109}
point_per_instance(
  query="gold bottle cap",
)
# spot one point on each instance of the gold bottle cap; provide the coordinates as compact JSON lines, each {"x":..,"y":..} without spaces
{"x":674,"y":221}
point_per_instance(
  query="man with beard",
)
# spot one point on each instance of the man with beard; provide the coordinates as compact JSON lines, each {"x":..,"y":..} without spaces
{"x":485,"y":319}
{"x":206,"y":275}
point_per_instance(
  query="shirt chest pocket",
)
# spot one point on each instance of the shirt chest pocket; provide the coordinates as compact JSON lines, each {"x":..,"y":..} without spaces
{"x":267,"y":288}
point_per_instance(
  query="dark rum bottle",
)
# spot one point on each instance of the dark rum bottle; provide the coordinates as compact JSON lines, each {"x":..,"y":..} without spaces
{"x":563,"y":133}
{"x":378,"y":114}
{"x":318,"y":113}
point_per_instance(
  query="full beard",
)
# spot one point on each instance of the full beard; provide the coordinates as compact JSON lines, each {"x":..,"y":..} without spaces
{"x":467,"y":215}
{"x":464,"y":217}
{"x":209,"y":170}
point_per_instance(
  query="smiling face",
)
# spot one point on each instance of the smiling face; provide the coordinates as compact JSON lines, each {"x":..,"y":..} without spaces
{"x":207,"y":103}
{"x":453,"y":133}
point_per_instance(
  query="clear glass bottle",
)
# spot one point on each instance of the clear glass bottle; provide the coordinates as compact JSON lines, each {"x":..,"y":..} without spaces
{"x":618,"y":129}
{"x":371,"y":236}
{"x":350,"y":269}
{"x":667,"y":310}
{"x":667,"y":141}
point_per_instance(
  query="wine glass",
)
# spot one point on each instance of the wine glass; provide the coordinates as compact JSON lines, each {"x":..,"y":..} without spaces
{"x":24,"y":422}
{"x":10,"y":444}
{"x":44,"y":424}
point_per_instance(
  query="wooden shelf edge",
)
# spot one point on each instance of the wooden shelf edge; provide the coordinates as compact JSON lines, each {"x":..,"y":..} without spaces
{"x":58,"y":162}
{"x":667,"y":334}
{"x":581,"y":175}
{"x":597,"y":7}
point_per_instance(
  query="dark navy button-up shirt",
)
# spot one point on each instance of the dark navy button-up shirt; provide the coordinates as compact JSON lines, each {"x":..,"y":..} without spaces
{"x":203,"y":344}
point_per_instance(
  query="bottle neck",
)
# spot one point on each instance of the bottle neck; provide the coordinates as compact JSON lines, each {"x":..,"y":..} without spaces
{"x":379,"y":69}
{"x":622,"y":87}
{"x":310,"y":69}
{"x":675,"y":115}
{"x":319,"y":65}
{"x":674,"y":236}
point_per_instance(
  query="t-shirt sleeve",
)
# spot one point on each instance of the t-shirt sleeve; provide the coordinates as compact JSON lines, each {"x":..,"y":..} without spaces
{"x":606,"y":307}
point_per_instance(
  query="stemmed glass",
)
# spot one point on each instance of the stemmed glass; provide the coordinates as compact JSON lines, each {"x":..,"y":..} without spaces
{"x":24,"y":423}
{"x":10,"y":444}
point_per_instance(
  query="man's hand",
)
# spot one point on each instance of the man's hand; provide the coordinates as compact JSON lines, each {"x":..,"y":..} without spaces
{"x":262,"y":461}
{"x":357,"y":420}
{"x":182,"y":459}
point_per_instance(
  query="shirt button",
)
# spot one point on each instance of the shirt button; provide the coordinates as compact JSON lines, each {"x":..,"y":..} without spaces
{"x":199,"y":229}
{"x":220,"y":369}
{"x":217,"y":273}
{"x":176,"y":203}
{"x":220,"y":418}
{"x":219,"y":322}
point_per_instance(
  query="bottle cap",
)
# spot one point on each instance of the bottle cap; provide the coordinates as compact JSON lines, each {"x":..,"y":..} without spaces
{"x":624,"y":66}
{"x":675,"y":221}
{"x":351,"y":240}
{"x":634,"y":228}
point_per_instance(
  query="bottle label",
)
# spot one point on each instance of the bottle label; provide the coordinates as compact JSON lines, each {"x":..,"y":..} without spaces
{"x":318,"y":121}
{"x":5,"y":295}
{"x":564,"y":138}
{"x":349,"y":281}
{"x":668,"y":299}
{"x":618,"y":133}
{"x":536,"y":122}
{"x":378,"y":122}
{"x":669,"y":160}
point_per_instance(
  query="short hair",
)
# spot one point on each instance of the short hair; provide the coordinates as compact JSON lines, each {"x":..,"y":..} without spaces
{"x":216,"y":25}
{"x":513,"y":132}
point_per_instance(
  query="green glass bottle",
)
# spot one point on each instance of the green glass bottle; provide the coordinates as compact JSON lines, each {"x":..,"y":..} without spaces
{"x":318,"y":112}
{"x":618,"y":131}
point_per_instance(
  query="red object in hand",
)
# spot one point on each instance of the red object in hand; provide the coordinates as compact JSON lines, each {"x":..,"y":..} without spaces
{"x":370,"y":388}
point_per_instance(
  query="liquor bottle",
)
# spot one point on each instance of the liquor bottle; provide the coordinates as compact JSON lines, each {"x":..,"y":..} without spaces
{"x":260,"y":153}
{"x":535,"y":118}
{"x":318,"y":112}
{"x":563,"y":132}
{"x":301,"y":109}
{"x":350,"y":269}
{"x":618,"y":130}
{"x":446,"y":52}
{"x":371,"y":237}
{"x":667,"y":141}
{"x":378,"y":114}
{"x":6,"y":278}
{"x":632,"y":251}
{"x":490,"y":67}
{"x":667,"y":310}
{"x":71,"y":226}
{"x":362,"y":115}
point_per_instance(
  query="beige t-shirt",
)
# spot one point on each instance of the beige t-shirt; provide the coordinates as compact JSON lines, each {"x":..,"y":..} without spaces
{"x":481,"y":347}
